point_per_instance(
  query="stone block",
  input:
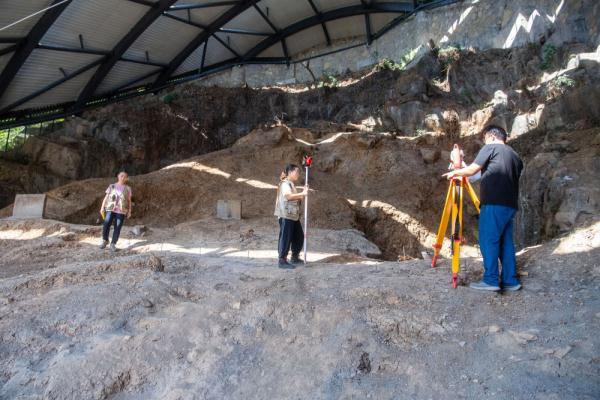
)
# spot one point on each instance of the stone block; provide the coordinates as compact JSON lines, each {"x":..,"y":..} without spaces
{"x":229,"y":209}
{"x":29,"y":206}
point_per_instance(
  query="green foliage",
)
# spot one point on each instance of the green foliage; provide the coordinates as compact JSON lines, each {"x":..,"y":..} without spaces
{"x":558,"y":86}
{"x":169,"y":98}
{"x":11,"y":138}
{"x":448,"y":55}
{"x":391,"y":65}
{"x":14,"y":137}
{"x":548,"y":53}
{"x":421,"y":132}
{"x":329,"y":81}
{"x":563,"y":81}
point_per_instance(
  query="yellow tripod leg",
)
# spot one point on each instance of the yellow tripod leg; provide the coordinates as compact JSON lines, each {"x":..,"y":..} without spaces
{"x":455,"y":226}
{"x":443,"y":224}
{"x":457,"y":233}
{"x":472,"y":194}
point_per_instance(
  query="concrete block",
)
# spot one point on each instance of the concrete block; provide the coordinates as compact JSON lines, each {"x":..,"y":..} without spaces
{"x":229,"y":209}
{"x":29,"y":206}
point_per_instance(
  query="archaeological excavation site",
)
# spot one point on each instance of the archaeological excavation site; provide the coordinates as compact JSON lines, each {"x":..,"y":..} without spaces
{"x":299,"y":199}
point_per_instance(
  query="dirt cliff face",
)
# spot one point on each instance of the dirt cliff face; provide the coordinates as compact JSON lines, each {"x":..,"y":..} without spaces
{"x":451,"y":92}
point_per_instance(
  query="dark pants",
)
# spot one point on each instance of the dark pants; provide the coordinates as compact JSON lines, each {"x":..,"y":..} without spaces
{"x":496,"y":242}
{"x":290,"y":234}
{"x":116,"y":219}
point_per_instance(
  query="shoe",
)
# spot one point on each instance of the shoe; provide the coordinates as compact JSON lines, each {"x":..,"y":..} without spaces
{"x":512,"y":288}
{"x":296,"y":260}
{"x":104,"y":244}
{"x":283,"y":264}
{"x":484,"y":286}
{"x":113,"y":248}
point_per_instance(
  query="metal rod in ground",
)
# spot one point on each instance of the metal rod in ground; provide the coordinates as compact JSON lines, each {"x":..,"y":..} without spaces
{"x":306,"y":218}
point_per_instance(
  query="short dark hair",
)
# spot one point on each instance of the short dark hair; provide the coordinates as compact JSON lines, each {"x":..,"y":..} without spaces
{"x":496,"y":132}
{"x":287,"y":170}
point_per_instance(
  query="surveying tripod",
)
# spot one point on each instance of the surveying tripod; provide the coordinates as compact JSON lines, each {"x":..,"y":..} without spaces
{"x":453,"y":212}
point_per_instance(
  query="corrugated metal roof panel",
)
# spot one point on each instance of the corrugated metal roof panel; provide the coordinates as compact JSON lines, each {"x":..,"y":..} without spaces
{"x":162,"y":47}
{"x":249,"y":20}
{"x":194,"y":61}
{"x":102,"y":23}
{"x":122,"y":73}
{"x":203,"y":16}
{"x":274,"y":51}
{"x":240,"y":43}
{"x":4,"y":60}
{"x":63,"y":93}
{"x":215,"y":52}
{"x":14,"y":10}
{"x":282,"y":16}
{"x":328,"y":5}
{"x":41,"y":69}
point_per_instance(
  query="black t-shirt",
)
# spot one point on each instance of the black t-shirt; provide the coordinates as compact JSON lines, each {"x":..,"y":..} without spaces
{"x":501,"y":168}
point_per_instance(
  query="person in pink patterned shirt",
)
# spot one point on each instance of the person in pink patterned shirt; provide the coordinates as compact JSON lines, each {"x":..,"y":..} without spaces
{"x":115,"y":207}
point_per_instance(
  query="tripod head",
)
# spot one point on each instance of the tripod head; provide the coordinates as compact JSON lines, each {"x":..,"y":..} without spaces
{"x":456,"y":157}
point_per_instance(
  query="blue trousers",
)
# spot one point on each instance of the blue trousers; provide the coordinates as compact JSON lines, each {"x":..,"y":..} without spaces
{"x":496,"y":242}
{"x":116,"y":219}
{"x":290,"y":235}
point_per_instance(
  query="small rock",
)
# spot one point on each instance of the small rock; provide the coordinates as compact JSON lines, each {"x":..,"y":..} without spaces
{"x":155,"y":264}
{"x":237,"y":305}
{"x":560,"y":353}
{"x":462,"y":344}
{"x":523,"y":337}
{"x":494,"y":329}
{"x":364,"y":365}
{"x":147,"y":303}
{"x":138,"y":230}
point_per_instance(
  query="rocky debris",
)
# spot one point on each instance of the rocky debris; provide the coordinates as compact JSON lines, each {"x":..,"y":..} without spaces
{"x":155,"y":264}
{"x":364,"y":365}
{"x":557,"y":191}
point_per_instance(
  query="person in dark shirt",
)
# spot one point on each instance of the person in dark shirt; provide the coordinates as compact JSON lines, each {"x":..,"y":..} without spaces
{"x":500,"y":168}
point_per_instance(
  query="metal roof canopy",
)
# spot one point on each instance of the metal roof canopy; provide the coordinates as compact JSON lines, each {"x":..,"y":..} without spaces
{"x":104,"y":48}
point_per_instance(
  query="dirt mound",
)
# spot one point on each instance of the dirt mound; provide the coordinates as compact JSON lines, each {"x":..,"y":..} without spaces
{"x":217,"y":324}
{"x":386,"y":186}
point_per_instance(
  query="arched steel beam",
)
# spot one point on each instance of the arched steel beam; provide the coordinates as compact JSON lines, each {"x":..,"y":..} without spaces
{"x":202,"y":38}
{"x":28,"y":44}
{"x":275,"y":30}
{"x":325,"y":31}
{"x":343,"y":12}
{"x":117,"y":52}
